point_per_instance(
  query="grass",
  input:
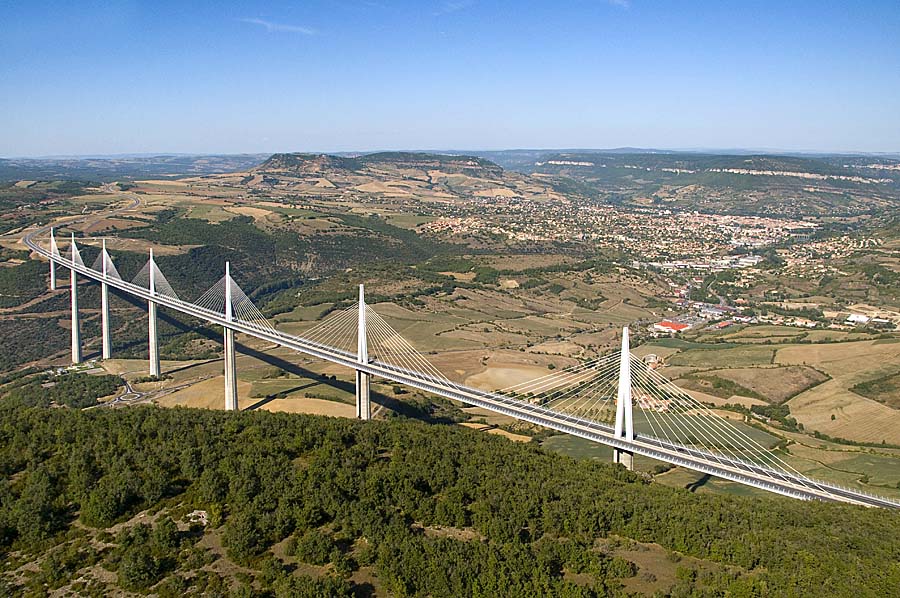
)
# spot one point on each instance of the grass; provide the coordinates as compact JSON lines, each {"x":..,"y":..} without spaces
{"x":716,"y":386}
{"x":579,"y":448}
{"x":728,"y":357}
{"x":409,"y":220}
{"x":210,"y":213}
{"x":680,"y":343}
{"x":705,"y":484}
{"x":764,"y":332}
{"x":774,"y":384}
{"x":885,"y":389}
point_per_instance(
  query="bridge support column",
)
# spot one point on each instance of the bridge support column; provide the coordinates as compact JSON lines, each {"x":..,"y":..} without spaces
{"x":104,"y":321}
{"x":104,"y":308}
{"x":54,"y":251}
{"x":624,"y":420}
{"x":76,"y":322}
{"x":363,"y":382}
{"x":153,"y":337}
{"x":231,"y":398}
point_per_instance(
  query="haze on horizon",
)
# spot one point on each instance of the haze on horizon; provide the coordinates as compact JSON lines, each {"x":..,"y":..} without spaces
{"x":164,"y":77}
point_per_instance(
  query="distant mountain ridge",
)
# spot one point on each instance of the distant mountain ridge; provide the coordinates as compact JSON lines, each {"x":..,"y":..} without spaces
{"x":307,"y":163}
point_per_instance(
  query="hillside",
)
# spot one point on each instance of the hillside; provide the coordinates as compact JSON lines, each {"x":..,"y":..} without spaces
{"x":300,"y":163}
{"x":290,"y":505}
{"x":739,"y":184}
{"x":408,"y":177}
{"x":117,"y":168}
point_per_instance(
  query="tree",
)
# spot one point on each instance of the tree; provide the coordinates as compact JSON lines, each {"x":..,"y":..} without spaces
{"x":242,"y":536}
{"x":138,"y":570}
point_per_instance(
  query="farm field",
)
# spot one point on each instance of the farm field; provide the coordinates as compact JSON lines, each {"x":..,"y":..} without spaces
{"x":724,"y":358}
{"x":774,"y":384}
{"x":832,"y":407}
{"x":884,"y":390}
{"x":819,"y":380}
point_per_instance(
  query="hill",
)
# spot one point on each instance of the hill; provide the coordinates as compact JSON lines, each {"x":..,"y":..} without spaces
{"x":738,"y":184}
{"x":186,"y":502}
{"x":117,"y":168}
{"x":300,"y":163}
{"x":398,"y":176}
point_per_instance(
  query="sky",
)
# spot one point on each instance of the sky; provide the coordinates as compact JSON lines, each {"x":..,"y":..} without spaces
{"x":89,"y":78}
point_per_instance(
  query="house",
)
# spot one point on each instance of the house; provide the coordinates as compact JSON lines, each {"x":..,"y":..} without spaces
{"x":857,"y":319}
{"x":669,"y":326}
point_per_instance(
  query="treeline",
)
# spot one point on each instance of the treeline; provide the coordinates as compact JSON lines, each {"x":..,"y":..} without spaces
{"x":22,"y":282}
{"x":356,"y":495}
{"x":27,"y":339}
{"x":75,"y":390}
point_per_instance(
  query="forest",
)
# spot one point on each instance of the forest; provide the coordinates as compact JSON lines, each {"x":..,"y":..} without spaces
{"x":316,"y":506}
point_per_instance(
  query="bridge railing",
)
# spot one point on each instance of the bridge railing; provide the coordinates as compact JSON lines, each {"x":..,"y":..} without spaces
{"x":442,"y":385}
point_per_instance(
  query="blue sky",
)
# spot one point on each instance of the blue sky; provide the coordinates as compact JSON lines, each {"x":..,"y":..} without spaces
{"x":335,"y":75}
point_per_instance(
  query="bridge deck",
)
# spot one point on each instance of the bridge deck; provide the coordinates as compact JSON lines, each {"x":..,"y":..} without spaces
{"x":751,"y":474}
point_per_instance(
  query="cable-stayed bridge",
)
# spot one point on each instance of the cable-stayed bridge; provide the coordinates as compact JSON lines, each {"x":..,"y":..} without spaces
{"x":615,"y":399}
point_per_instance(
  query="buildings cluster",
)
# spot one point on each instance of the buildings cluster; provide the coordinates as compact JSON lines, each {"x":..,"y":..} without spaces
{"x":663,"y":238}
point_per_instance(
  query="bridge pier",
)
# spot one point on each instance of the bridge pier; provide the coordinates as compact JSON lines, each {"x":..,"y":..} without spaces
{"x":104,"y":308}
{"x":363,"y":382}
{"x":153,"y":337}
{"x":54,"y":251}
{"x":624,"y":427}
{"x":231,"y":398}
{"x":76,"y":323}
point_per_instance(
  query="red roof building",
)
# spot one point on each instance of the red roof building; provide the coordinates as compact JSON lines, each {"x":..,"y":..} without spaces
{"x":669,"y":326}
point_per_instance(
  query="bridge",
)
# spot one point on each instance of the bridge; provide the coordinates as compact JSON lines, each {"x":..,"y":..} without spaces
{"x":600,"y":400}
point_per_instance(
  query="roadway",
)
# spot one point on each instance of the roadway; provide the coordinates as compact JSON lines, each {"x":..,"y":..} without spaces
{"x":750,"y":474}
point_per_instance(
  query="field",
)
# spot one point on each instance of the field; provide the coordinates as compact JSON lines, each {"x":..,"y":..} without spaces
{"x":884,"y":390}
{"x":723,"y":358}
{"x":821,"y":381}
{"x":831,"y":407}
{"x":489,"y":317}
{"x":775,"y":384}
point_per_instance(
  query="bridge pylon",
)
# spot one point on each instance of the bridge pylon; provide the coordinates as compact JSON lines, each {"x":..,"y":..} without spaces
{"x":624,"y":427}
{"x":104,"y":306}
{"x":363,"y":382}
{"x":151,"y":312}
{"x":76,"y":321}
{"x":231,"y":397}
{"x":54,"y":251}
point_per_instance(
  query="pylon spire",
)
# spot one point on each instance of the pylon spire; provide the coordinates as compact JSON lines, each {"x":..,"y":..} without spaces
{"x":624,"y":428}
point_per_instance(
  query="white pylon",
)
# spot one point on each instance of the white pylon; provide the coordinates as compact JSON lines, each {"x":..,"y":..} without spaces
{"x":152,"y":329}
{"x":231,"y":398}
{"x":104,"y":307}
{"x":76,"y":323}
{"x":54,"y":252}
{"x":624,"y":417}
{"x":363,"y":383}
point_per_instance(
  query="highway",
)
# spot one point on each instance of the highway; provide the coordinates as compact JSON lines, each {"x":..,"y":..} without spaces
{"x":750,"y":474}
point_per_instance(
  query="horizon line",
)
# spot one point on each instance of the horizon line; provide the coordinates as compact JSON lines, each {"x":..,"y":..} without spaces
{"x":459,"y":151}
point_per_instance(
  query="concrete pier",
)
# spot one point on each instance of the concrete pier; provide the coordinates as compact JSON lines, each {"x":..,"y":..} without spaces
{"x":624,"y":418}
{"x":104,"y":308}
{"x":151,"y":313}
{"x":54,"y":250}
{"x":154,"y":340}
{"x":363,"y":382}
{"x":76,"y":321}
{"x":231,"y":398}
{"x":104,"y":321}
